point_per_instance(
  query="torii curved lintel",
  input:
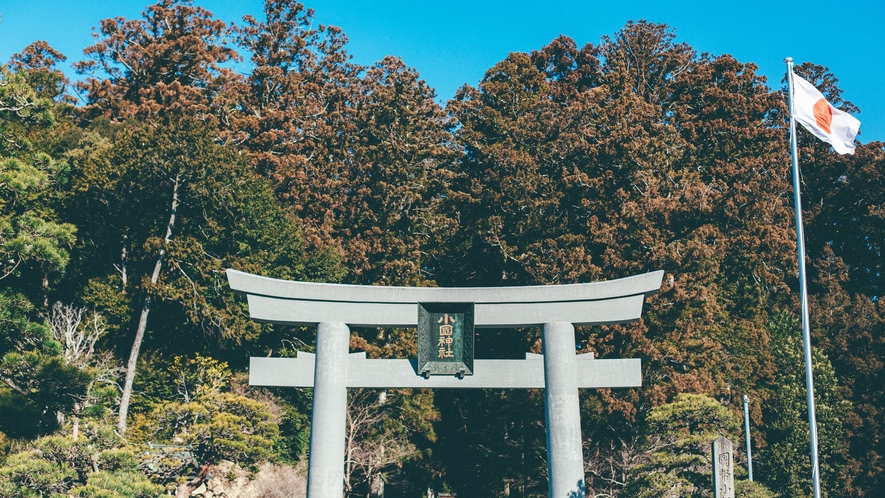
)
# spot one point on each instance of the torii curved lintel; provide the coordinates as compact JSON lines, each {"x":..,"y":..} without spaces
{"x":308,"y":303}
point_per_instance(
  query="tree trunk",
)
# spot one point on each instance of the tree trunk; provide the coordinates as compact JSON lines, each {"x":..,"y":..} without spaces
{"x":45,"y":288}
{"x":185,"y":489}
{"x":123,"y":254}
{"x":9,"y":382}
{"x":348,"y":462}
{"x":142,"y":321}
{"x":377,"y":487}
{"x":75,"y":430}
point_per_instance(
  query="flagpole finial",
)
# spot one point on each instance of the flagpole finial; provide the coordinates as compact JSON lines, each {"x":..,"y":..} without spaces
{"x":788,"y":60}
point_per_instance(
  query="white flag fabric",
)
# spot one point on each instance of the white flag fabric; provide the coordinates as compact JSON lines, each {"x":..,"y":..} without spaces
{"x":838,"y":128}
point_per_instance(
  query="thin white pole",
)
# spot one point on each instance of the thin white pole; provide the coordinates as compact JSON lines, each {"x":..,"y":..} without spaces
{"x":747,"y":432}
{"x":806,"y":329}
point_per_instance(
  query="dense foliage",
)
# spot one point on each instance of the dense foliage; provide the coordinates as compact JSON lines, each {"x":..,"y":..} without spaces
{"x":567,"y":164}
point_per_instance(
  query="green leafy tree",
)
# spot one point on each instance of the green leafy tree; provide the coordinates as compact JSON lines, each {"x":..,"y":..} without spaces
{"x":785,"y":465}
{"x":678,"y":438}
{"x":32,"y":475}
{"x":30,"y":235}
{"x":118,"y":484}
{"x":38,"y":383}
{"x":222,"y":426}
{"x":21,"y":109}
{"x":33,"y":245}
{"x":205,"y":424}
{"x":29,"y":239}
{"x":59,"y":466}
{"x":187,"y":209}
{"x":217,"y":424}
{"x":752,"y":489}
{"x":198,"y":377}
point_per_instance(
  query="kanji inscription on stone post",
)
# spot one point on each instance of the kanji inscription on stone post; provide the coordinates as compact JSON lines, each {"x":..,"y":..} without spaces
{"x":445,"y":339}
{"x":723,"y":468}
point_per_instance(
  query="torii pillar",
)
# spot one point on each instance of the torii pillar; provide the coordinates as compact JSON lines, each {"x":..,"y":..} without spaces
{"x":333,"y":308}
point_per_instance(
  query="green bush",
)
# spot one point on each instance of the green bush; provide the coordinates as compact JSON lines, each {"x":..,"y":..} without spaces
{"x":118,"y":484}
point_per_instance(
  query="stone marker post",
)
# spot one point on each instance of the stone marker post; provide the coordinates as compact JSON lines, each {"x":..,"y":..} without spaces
{"x":723,"y":468}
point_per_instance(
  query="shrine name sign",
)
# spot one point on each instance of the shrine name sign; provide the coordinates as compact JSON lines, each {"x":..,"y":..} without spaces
{"x":445,"y":339}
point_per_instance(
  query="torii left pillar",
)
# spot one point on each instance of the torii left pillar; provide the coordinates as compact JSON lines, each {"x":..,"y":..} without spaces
{"x":556,"y":308}
{"x":328,"y":418}
{"x":562,"y":411}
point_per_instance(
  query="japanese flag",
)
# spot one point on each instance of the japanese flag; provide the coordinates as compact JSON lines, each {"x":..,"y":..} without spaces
{"x":824,"y":121}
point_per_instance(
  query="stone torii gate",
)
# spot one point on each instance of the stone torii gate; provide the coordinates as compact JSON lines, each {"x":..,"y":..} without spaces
{"x":559,"y":370}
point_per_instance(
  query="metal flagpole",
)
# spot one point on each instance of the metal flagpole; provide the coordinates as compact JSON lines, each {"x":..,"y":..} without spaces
{"x":806,"y":329}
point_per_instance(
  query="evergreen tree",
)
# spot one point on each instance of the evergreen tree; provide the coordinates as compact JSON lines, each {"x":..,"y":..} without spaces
{"x":37,"y":63}
{"x":611,"y":160}
{"x":58,"y":466}
{"x":33,"y":246}
{"x":785,"y":464}
{"x":171,"y":61}
{"x":678,"y":440}
{"x":359,"y":153}
{"x":186,"y":209}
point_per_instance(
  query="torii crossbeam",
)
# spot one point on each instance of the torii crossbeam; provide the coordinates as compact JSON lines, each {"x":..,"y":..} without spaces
{"x":556,"y":308}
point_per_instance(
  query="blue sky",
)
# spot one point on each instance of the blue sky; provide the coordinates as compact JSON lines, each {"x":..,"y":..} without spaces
{"x":454,"y":42}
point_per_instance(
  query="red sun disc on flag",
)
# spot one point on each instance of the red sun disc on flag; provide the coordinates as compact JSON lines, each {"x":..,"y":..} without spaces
{"x":823,"y":114}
